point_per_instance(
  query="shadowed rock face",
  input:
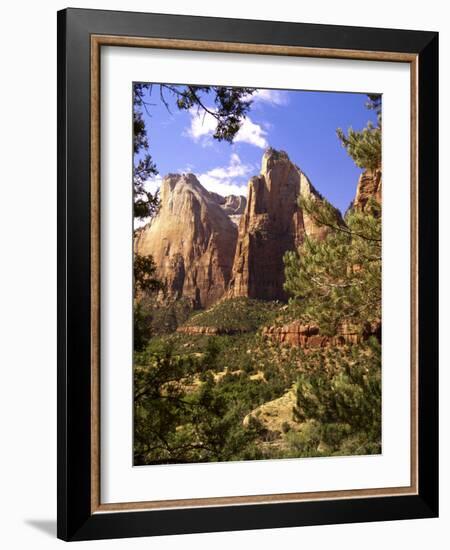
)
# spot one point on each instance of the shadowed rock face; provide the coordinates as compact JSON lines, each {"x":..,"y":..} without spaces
{"x":192,"y":241}
{"x":233,"y":205}
{"x":271,"y":224}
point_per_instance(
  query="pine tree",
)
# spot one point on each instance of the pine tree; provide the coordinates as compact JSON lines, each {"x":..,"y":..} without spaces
{"x":339,"y":402}
{"x":144,"y":271}
{"x":145,"y":204}
{"x":336,"y":280}
{"x":339,"y":278}
{"x":146,"y":284}
{"x":333,"y":281}
{"x":173,"y":424}
{"x":364,"y":146}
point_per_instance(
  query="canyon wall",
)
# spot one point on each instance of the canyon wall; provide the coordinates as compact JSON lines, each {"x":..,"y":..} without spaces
{"x":271,"y":224}
{"x":192,"y":240}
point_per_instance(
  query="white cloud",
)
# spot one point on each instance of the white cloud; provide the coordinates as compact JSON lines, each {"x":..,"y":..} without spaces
{"x":137,"y":223}
{"x":274,"y":97}
{"x":252,"y":133}
{"x":228,"y":180}
{"x":152,"y":185}
{"x":224,"y":180}
{"x":188,"y":168}
{"x":203,"y":126}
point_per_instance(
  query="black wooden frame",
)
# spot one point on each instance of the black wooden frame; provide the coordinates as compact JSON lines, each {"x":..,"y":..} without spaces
{"x":75,"y":521}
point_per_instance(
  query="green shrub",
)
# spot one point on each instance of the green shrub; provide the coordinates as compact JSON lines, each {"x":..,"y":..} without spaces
{"x":339,"y":399}
{"x":236,"y":315}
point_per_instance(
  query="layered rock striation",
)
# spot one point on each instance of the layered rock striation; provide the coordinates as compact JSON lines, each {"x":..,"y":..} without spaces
{"x":298,"y":334}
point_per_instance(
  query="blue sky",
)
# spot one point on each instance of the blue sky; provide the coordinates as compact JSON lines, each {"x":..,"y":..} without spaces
{"x":302,"y":123}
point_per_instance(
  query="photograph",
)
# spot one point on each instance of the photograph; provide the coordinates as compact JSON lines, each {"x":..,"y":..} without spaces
{"x":257,"y":262}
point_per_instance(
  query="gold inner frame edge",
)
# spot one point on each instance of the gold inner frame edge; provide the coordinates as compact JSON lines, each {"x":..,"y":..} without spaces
{"x":97,"y":41}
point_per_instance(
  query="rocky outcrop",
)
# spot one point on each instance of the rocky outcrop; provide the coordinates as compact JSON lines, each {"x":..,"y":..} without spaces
{"x":369,"y":186}
{"x":192,"y":241}
{"x":232,"y":205}
{"x":271,"y":224}
{"x":274,"y":414}
{"x":308,"y":335}
{"x":208,"y":331}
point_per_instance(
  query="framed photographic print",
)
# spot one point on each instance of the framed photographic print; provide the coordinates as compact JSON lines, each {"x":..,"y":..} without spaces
{"x":247,"y":251}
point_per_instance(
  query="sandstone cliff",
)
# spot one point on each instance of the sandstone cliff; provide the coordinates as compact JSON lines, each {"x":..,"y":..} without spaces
{"x":271,"y":224}
{"x":308,"y":336}
{"x":192,"y":241}
{"x":369,"y":185}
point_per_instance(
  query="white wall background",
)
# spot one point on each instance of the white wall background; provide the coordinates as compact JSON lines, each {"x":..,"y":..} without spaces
{"x":28,"y":274}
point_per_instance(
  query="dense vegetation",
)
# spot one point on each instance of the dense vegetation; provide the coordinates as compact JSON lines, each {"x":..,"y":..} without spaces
{"x":237,"y":315}
{"x":193,"y":392}
{"x":338,"y":279}
{"x":339,"y":402}
{"x":183,"y":415}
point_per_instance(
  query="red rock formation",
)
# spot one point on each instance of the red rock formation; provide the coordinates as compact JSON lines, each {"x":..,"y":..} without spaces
{"x":308,"y":336}
{"x":271,"y":224}
{"x":192,"y":241}
{"x":369,"y":186}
